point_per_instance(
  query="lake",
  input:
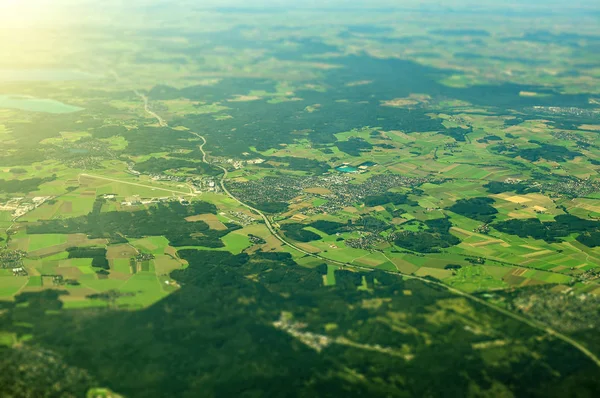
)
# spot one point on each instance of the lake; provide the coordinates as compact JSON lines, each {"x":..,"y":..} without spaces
{"x":347,"y":169}
{"x":32,"y":104}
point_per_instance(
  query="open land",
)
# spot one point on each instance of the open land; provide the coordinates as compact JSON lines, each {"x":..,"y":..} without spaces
{"x":368,"y":206}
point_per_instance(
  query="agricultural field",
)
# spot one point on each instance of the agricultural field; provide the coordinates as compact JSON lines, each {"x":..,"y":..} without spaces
{"x":402,"y":201}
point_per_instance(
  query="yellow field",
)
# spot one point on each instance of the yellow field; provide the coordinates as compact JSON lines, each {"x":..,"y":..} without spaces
{"x":404,"y":266}
{"x":298,"y":217}
{"x":318,"y":191}
{"x":518,"y":199}
{"x":593,"y":127}
{"x":587,"y":204}
{"x":536,"y":254}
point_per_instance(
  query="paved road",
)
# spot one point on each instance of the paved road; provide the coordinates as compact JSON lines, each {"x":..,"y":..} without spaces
{"x":161,"y":121}
{"x":535,"y":324}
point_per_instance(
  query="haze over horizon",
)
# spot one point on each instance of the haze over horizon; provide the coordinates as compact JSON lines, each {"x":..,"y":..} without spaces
{"x":317,"y":198}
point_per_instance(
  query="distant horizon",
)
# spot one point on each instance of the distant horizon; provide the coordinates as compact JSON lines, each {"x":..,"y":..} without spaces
{"x":321,"y":198}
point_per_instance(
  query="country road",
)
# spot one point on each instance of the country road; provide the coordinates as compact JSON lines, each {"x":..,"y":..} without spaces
{"x":532,"y":323}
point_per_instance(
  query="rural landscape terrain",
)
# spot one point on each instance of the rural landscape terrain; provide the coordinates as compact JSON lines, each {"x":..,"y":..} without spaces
{"x":330,"y":199}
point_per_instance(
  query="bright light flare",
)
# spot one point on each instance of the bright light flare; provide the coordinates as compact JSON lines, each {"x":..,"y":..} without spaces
{"x":24,"y":13}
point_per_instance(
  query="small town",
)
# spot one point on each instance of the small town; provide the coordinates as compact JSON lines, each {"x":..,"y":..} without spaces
{"x":336,"y":189}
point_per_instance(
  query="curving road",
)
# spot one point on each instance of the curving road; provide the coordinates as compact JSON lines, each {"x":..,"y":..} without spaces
{"x":161,"y":121}
{"x":533,"y":323}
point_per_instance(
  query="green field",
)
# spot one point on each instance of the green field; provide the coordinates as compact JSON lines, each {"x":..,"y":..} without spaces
{"x":366,"y":198}
{"x":236,"y":243}
{"x":37,"y":242}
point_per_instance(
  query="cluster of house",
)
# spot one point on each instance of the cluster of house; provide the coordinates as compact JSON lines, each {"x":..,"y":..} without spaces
{"x":238,"y":164}
{"x":19,"y":271}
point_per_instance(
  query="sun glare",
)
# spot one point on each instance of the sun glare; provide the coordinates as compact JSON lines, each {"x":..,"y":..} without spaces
{"x":26,"y":13}
{"x":11,"y":4}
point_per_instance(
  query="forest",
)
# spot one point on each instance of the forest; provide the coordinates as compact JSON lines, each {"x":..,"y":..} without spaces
{"x":479,"y":209}
{"x":23,"y":186}
{"x":233,"y":335}
{"x":436,"y":237}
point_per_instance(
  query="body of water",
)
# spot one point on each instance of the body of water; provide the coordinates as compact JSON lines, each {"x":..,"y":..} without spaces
{"x":347,"y":169}
{"x":32,"y":104}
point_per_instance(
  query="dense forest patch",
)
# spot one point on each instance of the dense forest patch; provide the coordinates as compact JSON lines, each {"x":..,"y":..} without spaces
{"x":329,"y":227}
{"x":458,"y":133}
{"x":479,"y":209}
{"x":298,"y":233}
{"x":23,"y":186}
{"x":146,"y":140}
{"x":434,"y":239}
{"x":354,"y":146}
{"x":394,"y":198}
{"x":271,"y":207}
{"x":550,"y":152}
{"x":551,"y":231}
{"x":97,"y":254}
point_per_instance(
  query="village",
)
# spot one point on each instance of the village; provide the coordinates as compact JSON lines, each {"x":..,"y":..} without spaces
{"x":335,"y":189}
{"x":13,"y":260}
{"x":22,"y":205}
